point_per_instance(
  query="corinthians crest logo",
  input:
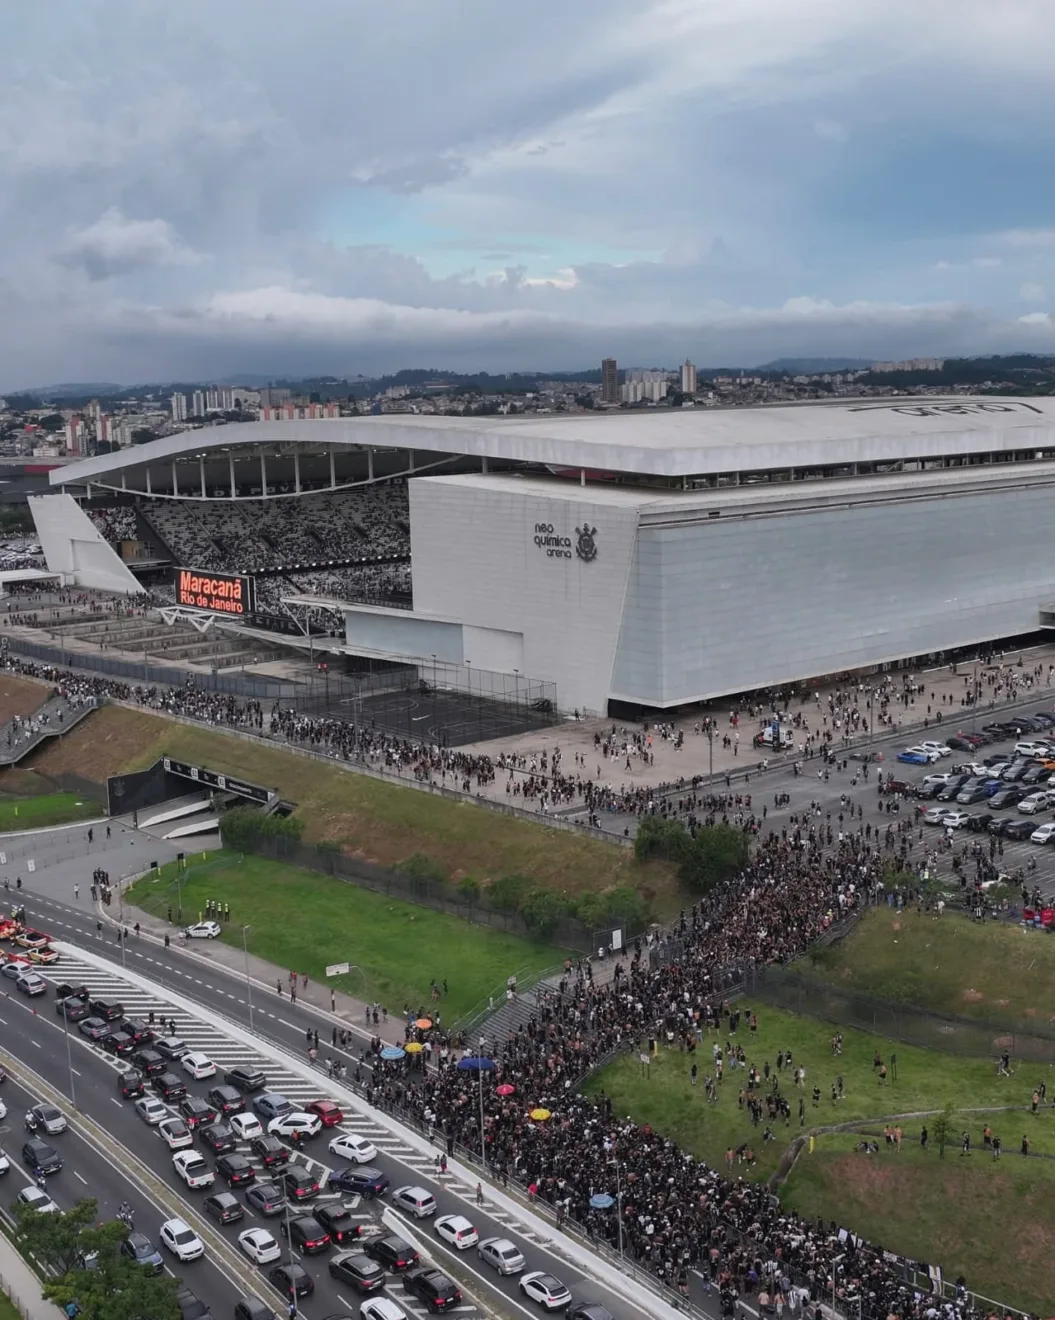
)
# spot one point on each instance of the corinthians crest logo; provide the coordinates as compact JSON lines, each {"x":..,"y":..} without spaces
{"x":586,"y":546}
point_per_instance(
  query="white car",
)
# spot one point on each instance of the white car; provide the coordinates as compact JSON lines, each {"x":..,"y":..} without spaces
{"x":3,"y":1110}
{"x":245,"y":1126}
{"x":151,"y":1110}
{"x":198,"y":1065}
{"x":502,"y":1254}
{"x":927,"y":753}
{"x":1029,"y":806}
{"x":456,"y":1230}
{"x":181,"y":1240}
{"x":1043,"y":833}
{"x":935,"y":815}
{"x":381,"y":1308}
{"x":351,"y":1147}
{"x":1032,"y":748}
{"x":259,"y":1246}
{"x":954,"y":820}
{"x":192,"y":1168}
{"x":939,"y":777}
{"x":175,"y":1134}
{"x":5,"y":1163}
{"x":306,"y":1125}
{"x":203,"y":930}
{"x":35,"y":1199}
{"x":545,"y":1289}
{"x":938,"y":747}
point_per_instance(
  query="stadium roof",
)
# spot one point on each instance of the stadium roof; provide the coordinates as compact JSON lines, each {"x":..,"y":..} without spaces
{"x":667,"y":442}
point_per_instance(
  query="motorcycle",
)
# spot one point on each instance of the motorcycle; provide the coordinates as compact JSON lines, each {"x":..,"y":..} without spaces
{"x":32,"y":1122}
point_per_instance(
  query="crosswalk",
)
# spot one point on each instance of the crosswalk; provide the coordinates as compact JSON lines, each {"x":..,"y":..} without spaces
{"x":226,"y":1051}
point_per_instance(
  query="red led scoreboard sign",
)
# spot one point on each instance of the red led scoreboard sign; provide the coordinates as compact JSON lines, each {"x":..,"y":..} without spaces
{"x":222,"y":593}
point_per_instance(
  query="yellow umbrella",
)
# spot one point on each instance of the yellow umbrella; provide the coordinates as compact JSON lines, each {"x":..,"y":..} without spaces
{"x":540,"y":1115}
{"x":423,"y":1024}
{"x":413,"y":1047}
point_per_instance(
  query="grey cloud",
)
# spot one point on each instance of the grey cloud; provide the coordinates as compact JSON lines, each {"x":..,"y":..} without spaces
{"x":115,"y":245}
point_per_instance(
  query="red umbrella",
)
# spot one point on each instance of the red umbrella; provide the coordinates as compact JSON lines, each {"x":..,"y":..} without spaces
{"x":506,"y":1088}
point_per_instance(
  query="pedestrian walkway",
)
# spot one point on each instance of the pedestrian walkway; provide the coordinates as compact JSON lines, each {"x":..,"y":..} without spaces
{"x":19,"y":1283}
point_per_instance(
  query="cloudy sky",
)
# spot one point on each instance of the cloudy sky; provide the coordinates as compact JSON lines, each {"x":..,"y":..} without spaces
{"x":197,"y":189}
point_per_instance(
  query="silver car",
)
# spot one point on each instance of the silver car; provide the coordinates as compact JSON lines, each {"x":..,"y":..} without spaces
{"x":49,"y":1119}
{"x":502,"y":1255}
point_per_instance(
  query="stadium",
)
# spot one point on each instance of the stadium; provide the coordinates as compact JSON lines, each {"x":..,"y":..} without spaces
{"x":591,"y":562}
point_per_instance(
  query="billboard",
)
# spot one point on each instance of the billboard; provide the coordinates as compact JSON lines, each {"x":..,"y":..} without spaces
{"x":222,"y":593}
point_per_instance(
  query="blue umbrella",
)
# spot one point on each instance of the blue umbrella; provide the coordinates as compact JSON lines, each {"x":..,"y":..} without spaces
{"x":393,"y":1052}
{"x":476,"y":1064}
{"x":602,"y":1201}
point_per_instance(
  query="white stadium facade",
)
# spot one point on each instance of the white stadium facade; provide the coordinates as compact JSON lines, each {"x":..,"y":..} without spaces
{"x":627,"y":559}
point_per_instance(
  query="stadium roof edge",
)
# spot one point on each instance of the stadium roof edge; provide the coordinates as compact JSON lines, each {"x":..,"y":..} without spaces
{"x":671,"y":442}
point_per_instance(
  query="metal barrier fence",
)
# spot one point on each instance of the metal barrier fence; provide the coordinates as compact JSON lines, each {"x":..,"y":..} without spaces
{"x":973,"y":1037}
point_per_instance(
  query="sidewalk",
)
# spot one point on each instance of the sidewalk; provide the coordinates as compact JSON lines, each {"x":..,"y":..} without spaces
{"x":19,"y":1283}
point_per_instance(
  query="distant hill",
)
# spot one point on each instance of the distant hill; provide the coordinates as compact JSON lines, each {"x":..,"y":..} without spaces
{"x":74,"y":388}
{"x":811,"y":366}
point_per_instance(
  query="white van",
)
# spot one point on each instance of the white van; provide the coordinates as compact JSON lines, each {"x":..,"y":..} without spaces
{"x":768,"y":737}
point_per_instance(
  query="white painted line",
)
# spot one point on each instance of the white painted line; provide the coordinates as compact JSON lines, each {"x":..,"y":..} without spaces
{"x":83,"y":1180}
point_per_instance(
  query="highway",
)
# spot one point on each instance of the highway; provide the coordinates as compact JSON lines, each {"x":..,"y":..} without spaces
{"x":33,"y":1034}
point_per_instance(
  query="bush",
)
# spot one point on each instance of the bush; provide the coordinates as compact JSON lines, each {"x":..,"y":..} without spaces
{"x":423,"y":869}
{"x":543,"y":911}
{"x":507,"y":894}
{"x":715,"y":855}
{"x":626,"y":907}
{"x":242,"y":828}
{"x":656,"y":837}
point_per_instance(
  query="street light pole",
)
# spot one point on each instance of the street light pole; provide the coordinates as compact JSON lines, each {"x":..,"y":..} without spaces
{"x":618,"y":1204}
{"x":483,"y":1143}
{"x":69,"y":1057}
{"x":248,"y":983}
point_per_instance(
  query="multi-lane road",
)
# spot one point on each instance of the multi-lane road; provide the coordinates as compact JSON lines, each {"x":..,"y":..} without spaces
{"x":109,"y":1147}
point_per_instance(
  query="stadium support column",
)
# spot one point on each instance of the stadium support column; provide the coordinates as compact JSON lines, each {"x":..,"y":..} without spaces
{"x":230,"y":474}
{"x":296,"y":470}
{"x":370,"y":464}
{"x":149,"y":488}
{"x":263,"y":476}
{"x":333,"y":471}
{"x":201,"y":470}
{"x":175,"y":480}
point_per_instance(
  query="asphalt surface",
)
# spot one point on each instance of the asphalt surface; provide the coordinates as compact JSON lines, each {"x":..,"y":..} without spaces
{"x":32,"y":1031}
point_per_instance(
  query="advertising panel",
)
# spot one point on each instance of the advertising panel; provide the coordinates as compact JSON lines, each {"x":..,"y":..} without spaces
{"x":221,"y":593}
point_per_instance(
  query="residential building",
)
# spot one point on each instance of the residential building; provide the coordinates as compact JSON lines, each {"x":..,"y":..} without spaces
{"x":178,"y":404}
{"x":609,"y":381}
{"x":688,"y":377}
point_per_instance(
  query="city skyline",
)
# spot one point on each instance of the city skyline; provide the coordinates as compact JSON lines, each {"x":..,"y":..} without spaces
{"x":212,"y":191}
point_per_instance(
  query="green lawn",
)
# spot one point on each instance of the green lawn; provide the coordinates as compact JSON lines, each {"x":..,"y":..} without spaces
{"x":926,"y":1080}
{"x":989,"y":1220}
{"x":303,"y":920}
{"x":7,"y":1308}
{"x":948,"y":964}
{"x":33,"y":813}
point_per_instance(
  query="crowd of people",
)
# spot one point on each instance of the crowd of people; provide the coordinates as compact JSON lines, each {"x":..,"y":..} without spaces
{"x":677,"y":1213}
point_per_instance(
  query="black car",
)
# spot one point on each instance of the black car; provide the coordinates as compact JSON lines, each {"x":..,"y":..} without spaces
{"x":967,"y":797}
{"x":393,"y":1253}
{"x":236,"y":1169}
{"x":130,"y":1083}
{"x":1015,"y":772}
{"x":170,"y":1087}
{"x":39,"y":1157}
{"x":108,"y":1009}
{"x":94,"y":1028}
{"x":300,"y":1185}
{"x":66,"y":991}
{"x":138,"y":1030}
{"x":224,"y":1208}
{"x":266,"y":1198}
{"x":433,"y":1287}
{"x":75,"y":1010}
{"x":363,"y":1180}
{"x":364,"y":1274}
{"x":999,"y":825}
{"x":226,"y":1099}
{"x":149,"y":1062}
{"x":340,"y":1225}
{"x":195,"y":1111}
{"x":929,"y":791}
{"x":980,"y":823}
{"x":1037,"y":774}
{"x":948,"y":793}
{"x":218,"y":1137}
{"x":589,"y":1311}
{"x":119,"y":1043}
{"x":245,"y":1080}
{"x":252,"y":1309}
{"x":1006,"y":797}
{"x":1019,"y":829}
{"x":270,"y":1151}
{"x":191,"y":1306}
{"x":139,"y":1248}
{"x":306,"y":1234}
{"x":291,"y":1280}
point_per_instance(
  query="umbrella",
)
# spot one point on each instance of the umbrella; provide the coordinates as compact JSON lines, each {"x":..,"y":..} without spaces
{"x":392,"y":1052}
{"x":602,"y":1201}
{"x":423,"y":1024}
{"x":507,"y":1088}
{"x":414,"y":1047}
{"x":476,"y":1064}
{"x":539,"y":1115}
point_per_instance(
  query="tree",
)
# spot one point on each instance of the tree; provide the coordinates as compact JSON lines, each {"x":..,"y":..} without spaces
{"x":142,"y":435}
{"x":658,"y":837}
{"x":718,"y":853}
{"x":469,"y":888}
{"x":56,"y":1241}
{"x":508,"y":892}
{"x":113,"y":1287}
{"x":53,"y":422}
{"x":543,"y":911}
{"x":627,"y":907}
{"x":943,"y":1126}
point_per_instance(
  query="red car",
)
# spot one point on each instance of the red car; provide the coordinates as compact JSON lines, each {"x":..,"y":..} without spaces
{"x":328,"y":1111}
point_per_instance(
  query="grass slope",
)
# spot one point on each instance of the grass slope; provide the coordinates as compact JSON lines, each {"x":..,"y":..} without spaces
{"x":47,"y":809}
{"x":948,"y":964}
{"x":925,"y":1080}
{"x":988,"y":1220}
{"x":382,"y":822}
{"x":305,"y":921}
{"x":20,"y":696}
